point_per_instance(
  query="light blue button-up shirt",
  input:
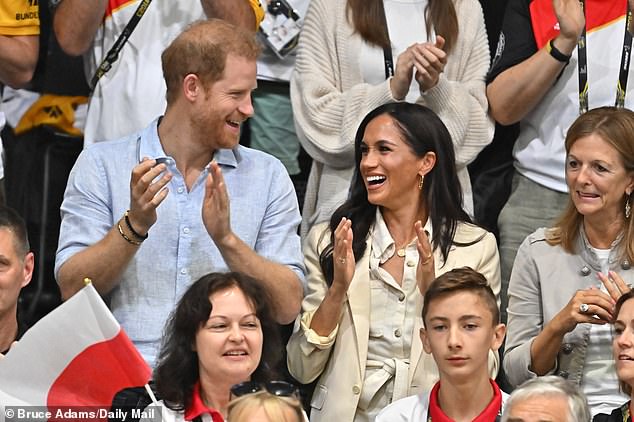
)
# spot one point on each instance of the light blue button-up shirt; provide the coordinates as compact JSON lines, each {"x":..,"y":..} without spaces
{"x":178,"y":251}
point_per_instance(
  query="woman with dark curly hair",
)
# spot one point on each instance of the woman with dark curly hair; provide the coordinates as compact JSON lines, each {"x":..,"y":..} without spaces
{"x":220,"y":334}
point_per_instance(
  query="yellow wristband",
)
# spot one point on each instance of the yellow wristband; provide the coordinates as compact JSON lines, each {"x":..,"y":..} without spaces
{"x":258,"y":10}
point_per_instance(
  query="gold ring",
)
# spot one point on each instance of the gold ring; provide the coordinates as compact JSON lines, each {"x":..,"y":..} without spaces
{"x":342,"y":260}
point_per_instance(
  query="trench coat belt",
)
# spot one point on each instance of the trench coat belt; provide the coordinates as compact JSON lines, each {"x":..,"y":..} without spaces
{"x":389,"y":368}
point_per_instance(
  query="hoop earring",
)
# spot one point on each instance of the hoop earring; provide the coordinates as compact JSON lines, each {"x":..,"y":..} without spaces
{"x":628,"y":207}
{"x":420,"y":184}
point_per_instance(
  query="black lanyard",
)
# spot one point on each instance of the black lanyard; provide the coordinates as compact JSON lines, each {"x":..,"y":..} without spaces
{"x":388,"y":61}
{"x":113,"y":53}
{"x":624,"y":69}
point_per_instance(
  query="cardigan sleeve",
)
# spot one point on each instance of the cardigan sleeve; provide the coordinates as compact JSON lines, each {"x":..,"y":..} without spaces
{"x":308,"y":353}
{"x":327,"y":114}
{"x":459,"y":98}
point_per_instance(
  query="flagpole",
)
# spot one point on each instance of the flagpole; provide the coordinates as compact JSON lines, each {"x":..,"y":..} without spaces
{"x":153,"y":398}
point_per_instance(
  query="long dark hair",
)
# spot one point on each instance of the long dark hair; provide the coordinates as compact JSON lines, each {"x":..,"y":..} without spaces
{"x":368,"y":19}
{"x":424,"y":132}
{"x":177,"y":369}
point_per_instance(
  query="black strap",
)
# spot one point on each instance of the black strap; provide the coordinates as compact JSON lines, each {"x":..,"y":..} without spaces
{"x":113,"y":54}
{"x":624,"y":70}
{"x":388,"y":61}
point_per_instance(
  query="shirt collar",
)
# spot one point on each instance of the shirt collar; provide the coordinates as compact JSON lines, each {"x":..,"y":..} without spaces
{"x":383,"y":246}
{"x":198,"y":407}
{"x":149,"y":145}
{"x":489,"y":413}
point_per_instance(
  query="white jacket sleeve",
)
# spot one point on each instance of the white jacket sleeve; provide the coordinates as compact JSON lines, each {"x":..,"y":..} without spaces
{"x":307,"y":352}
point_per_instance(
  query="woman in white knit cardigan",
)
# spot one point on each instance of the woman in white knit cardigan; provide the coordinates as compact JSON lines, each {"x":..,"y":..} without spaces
{"x":439,"y":61}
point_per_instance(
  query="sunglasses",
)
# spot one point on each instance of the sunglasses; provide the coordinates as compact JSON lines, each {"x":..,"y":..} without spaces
{"x":277,"y":388}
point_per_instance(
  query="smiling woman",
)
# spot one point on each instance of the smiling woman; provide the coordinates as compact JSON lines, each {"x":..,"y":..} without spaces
{"x":368,"y":270}
{"x":623,"y":352}
{"x":220,"y":334}
{"x":564,"y":281}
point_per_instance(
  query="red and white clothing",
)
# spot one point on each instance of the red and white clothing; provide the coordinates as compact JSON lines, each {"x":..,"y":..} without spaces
{"x":424,"y":407}
{"x":539,"y":152}
{"x":197,"y":408}
{"x":132,"y":93}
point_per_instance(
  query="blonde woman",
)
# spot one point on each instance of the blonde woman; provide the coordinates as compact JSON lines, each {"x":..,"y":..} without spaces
{"x":266,"y":406}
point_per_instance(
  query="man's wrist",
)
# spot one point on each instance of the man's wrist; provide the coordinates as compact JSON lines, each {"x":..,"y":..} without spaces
{"x":562,"y":48}
{"x":132,"y":223}
{"x":226,"y":242}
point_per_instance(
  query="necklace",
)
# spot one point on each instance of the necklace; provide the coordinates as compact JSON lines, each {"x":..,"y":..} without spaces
{"x":401,"y":251}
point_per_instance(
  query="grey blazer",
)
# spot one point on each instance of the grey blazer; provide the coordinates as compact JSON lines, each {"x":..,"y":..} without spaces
{"x":543,"y":280}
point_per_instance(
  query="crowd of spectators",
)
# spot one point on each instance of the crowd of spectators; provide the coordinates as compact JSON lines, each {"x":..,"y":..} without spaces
{"x":363,"y":285}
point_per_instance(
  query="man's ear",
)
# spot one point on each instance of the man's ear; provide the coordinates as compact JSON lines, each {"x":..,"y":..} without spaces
{"x":425,"y":340}
{"x":191,"y":87}
{"x":29,"y":264}
{"x":499,"y":331}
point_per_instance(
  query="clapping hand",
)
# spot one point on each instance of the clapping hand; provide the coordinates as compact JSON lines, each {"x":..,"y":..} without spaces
{"x":342,"y":255}
{"x":148,"y":188}
{"x":429,"y":61}
{"x":216,"y":212}
{"x":425,"y":271}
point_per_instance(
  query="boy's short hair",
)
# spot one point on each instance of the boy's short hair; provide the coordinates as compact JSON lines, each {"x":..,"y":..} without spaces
{"x":463,"y":279}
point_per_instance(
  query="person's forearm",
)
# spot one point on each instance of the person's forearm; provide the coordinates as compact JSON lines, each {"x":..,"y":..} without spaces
{"x":328,"y":314}
{"x":283,"y":285}
{"x":103,"y":263}
{"x":545,"y":348}
{"x":18,"y":58}
{"x":76,"y":22}
{"x":517,"y":90}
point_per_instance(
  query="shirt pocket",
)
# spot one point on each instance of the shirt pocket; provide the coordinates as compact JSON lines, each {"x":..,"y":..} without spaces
{"x":378,"y":308}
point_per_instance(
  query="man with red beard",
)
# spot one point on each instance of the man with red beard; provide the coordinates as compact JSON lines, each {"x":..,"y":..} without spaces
{"x":146,"y":215}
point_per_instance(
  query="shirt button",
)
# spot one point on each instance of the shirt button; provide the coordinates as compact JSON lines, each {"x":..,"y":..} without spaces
{"x":186,"y":230}
{"x":397,"y":332}
{"x":564,"y":374}
{"x":183,"y":270}
{"x":411,"y":263}
{"x":567,"y":348}
{"x":180,"y":190}
{"x":401,"y":297}
{"x":356,"y":389}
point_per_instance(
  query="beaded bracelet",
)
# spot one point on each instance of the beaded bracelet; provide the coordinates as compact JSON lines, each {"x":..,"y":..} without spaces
{"x":134,"y":232}
{"x":131,"y":241}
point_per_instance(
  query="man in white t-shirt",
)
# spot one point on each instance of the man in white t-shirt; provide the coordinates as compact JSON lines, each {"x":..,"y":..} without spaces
{"x":534,"y":80}
{"x":129,"y":96}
